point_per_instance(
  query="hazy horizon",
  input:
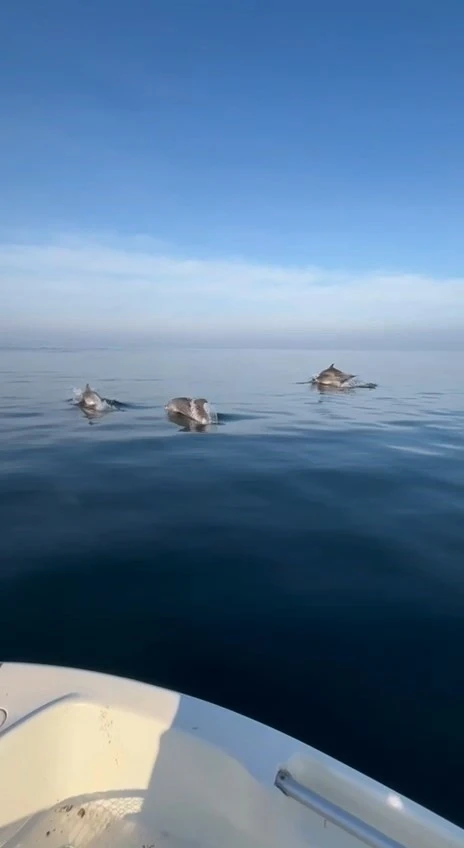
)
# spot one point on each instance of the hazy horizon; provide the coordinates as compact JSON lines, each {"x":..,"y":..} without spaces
{"x":104,"y":340}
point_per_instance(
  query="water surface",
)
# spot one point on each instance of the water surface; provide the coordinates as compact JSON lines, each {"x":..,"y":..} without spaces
{"x":302,"y":562}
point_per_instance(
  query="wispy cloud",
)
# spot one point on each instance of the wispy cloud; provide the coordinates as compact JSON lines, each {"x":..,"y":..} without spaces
{"x":136,"y":285}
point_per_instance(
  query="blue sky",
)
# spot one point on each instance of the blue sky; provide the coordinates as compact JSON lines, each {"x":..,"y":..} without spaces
{"x":233,"y":168}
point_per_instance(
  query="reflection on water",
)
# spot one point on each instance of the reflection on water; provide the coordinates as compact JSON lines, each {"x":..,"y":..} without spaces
{"x":187,"y":425}
{"x":347,"y":387}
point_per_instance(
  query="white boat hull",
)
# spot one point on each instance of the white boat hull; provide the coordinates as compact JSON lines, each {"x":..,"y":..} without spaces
{"x":89,"y":760}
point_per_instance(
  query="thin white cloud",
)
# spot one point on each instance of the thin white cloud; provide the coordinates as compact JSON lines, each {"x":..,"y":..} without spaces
{"x":99,"y":284}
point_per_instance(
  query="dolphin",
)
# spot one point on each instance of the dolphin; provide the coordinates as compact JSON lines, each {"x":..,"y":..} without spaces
{"x":91,"y":400}
{"x":332,"y":376}
{"x":195,"y":409}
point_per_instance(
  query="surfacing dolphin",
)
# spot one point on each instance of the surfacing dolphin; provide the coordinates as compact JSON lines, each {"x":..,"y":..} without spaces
{"x":90,"y":401}
{"x":194,"y":409}
{"x":332,"y":376}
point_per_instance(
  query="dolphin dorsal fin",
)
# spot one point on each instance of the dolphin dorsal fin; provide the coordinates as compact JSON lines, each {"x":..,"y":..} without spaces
{"x":332,"y":366}
{"x":87,"y":388}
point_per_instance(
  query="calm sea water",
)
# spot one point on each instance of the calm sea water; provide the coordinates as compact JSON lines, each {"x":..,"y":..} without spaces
{"x":302,"y":563}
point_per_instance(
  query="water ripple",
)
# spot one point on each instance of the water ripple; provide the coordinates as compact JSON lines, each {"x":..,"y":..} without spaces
{"x":311,"y":542}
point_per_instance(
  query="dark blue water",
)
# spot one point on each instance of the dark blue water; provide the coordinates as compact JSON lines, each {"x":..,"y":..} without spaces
{"x":302,"y":563}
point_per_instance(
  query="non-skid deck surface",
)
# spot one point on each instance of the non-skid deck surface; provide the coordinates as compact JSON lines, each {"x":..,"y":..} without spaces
{"x":115,"y":822}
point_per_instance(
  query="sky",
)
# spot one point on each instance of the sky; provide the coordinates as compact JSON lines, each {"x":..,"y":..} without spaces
{"x":251,"y":171}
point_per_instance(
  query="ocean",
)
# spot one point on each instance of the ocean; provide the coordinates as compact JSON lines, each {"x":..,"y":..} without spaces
{"x":302,"y":562}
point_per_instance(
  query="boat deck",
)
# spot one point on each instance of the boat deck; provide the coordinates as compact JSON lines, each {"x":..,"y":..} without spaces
{"x":92,"y":761}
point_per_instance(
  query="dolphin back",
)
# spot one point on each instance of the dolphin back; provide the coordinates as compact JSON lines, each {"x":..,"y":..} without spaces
{"x":196,"y":409}
{"x":332,"y":376}
{"x":92,"y":400}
